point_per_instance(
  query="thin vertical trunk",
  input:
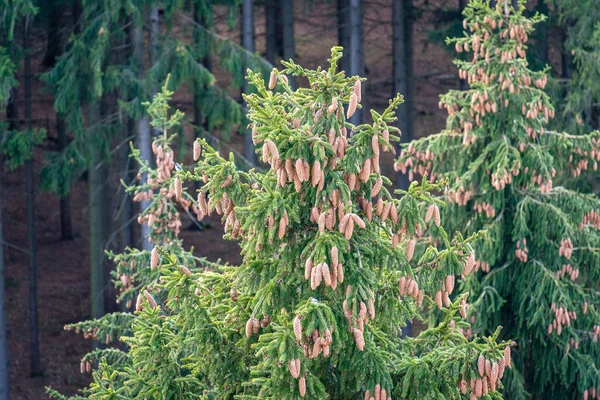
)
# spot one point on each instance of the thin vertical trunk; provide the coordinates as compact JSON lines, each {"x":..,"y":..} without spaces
{"x":66,"y":227}
{"x":271,"y":30}
{"x":542,"y":34}
{"x":343,"y":21}
{"x":565,"y":57}
{"x":289,"y":44}
{"x":402,"y":78}
{"x":142,"y":126}
{"x":4,"y":369}
{"x":55,"y":41}
{"x":248,"y":43}
{"x":462,"y":83}
{"x":201,"y":42}
{"x":356,"y":50}
{"x":36,"y":368}
{"x":403,"y":73}
{"x":95,"y":206}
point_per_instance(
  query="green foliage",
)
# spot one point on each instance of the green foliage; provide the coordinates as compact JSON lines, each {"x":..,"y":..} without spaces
{"x":578,"y":95}
{"x":512,"y":176}
{"x":17,"y":147}
{"x":283,"y":324}
{"x":91,"y":70}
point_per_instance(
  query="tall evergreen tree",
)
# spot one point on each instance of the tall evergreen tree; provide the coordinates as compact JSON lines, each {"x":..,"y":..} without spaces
{"x":91,"y":73}
{"x":16,"y":149}
{"x":578,"y":91}
{"x":316,"y":307}
{"x":508,"y":173}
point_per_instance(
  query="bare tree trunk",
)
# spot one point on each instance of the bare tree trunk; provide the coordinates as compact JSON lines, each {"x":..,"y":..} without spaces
{"x":356,"y":50}
{"x":95,"y":206}
{"x":206,"y":62}
{"x":4,"y":369}
{"x":55,"y":42}
{"x":462,"y":83}
{"x":403,"y":73}
{"x":289,"y":43}
{"x":343,"y":21}
{"x":271,"y":30}
{"x":248,"y":43}
{"x":142,"y":126}
{"x":36,"y":368}
{"x":66,"y":227}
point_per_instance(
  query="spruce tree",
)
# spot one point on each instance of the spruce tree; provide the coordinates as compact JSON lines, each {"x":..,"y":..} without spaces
{"x":328,"y":278}
{"x":537,"y":274}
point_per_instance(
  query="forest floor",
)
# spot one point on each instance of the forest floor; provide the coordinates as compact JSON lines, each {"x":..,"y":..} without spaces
{"x":63,"y":266}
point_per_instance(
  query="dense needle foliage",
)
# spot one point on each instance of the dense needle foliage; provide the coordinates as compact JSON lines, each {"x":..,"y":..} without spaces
{"x":315,"y":310}
{"x":512,"y":176}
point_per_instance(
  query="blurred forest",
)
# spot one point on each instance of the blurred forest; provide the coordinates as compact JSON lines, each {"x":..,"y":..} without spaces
{"x":74,"y":75}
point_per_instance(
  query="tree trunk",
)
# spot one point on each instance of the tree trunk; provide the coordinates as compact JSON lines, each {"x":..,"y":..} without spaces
{"x":462,"y":83}
{"x":271,"y":30}
{"x":289,"y":44}
{"x":66,"y":227}
{"x":206,"y":61}
{"x":403,"y":73}
{"x":356,"y":50}
{"x":36,"y":368}
{"x":142,"y":126}
{"x":4,"y":369}
{"x":55,"y":42}
{"x":95,"y":209}
{"x":248,"y":43}
{"x":343,"y":21}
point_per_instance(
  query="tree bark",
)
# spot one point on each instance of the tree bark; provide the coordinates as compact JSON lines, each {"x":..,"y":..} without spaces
{"x":403,"y":74}
{"x":206,"y":61}
{"x":462,"y":83}
{"x":271,"y":30}
{"x":66,"y":226}
{"x":55,"y":42}
{"x":356,"y":62}
{"x":248,"y":43}
{"x":4,"y":365}
{"x":36,"y":368}
{"x":343,"y":22}
{"x":95,"y":206}
{"x":142,"y":126}
{"x":289,"y":43}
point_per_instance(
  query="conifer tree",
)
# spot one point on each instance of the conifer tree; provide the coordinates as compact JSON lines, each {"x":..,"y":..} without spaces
{"x":508,"y":173}
{"x":579,"y":93}
{"x":316,"y":308}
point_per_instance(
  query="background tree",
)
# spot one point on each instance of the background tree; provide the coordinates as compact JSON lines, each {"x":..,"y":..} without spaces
{"x":284,"y":323}
{"x":511,"y":175}
{"x":16,"y":149}
{"x":115,"y":83}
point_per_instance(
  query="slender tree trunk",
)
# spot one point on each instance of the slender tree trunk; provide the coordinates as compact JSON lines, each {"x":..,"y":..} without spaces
{"x":403,"y":73}
{"x":271,"y":30}
{"x":36,"y":368}
{"x":142,"y":126}
{"x":4,"y":365}
{"x":356,"y":50}
{"x":248,"y":43}
{"x":343,"y":21}
{"x":66,"y":227}
{"x":96,"y":211}
{"x":565,"y":58}
{"x":289,"y":44}
{"x":54,"y":35}
{"x":462,"y":83}
{"x":200,"y":42}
